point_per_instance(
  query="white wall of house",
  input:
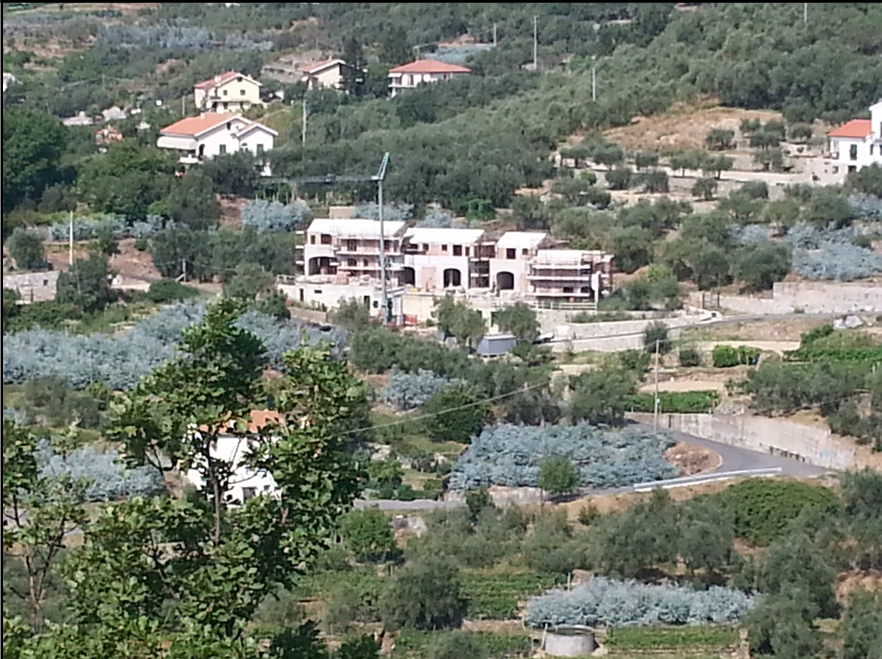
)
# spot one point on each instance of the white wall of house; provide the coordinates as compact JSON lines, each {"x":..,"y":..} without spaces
{"x":876,"y":120}
{"x":401,"y":81}
{"x":244,"y":481}
{"x":429,"y":269}
{"x":221,"y":140}
{"x":329,"y":78}
{"x":854,"y":152}
{"x":237,"y":93}
{"x":257,"y":140}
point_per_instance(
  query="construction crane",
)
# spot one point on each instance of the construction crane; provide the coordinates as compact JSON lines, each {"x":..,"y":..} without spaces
{"x":333,"y":179}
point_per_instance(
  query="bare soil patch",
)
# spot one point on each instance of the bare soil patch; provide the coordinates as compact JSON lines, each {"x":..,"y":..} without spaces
{"x":684,"y":126}
{"x":849,"y":582}
{"x":691,"y":460}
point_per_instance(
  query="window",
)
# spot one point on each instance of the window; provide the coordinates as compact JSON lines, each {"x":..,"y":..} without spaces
{"x":524,"y":252}
{"x":567,"y":289}
{"x":317,"y":292}
{"x":226,"y":105}
{"x":871,"y":149}
{"x":241,"y":92}
{"x":443,"y":248}
{"x":835,"y":169}
{"x":326,"y":239}
{"x":244,"y":146}
{"x":259,"y":149}
{"x":351,"y":245}
{"x":225,"y":92}
{"x":467,"y":251}
{"x":222,"y":149}
{"x":238,"y":78}
{"x":312,"y":240}
{"x":852,"y":168}
{"x":248,"y":493}
{"x":352,"y":263}
{"x":365,"y":262}
{"x":425,"y":247}
{"x":852,"y":152}
{"x":510,"y":253}
{"x":229,"y":123}
{"x":457,"y":250}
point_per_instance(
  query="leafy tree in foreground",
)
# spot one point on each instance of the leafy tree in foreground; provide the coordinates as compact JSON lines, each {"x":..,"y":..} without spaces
{"x":459,"y":320}
{"x":26,"y":248}
{"x":228,"y":556}
{"x":862,"y":628}
{"x":558,"y":476}
{"x":782,"y":626}
{"x":33,"y":143}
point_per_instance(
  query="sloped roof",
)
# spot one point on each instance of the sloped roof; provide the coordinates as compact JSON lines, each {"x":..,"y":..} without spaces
{"x":429,"y":66}
{"x":521,"y":239}
{"x":315,"y":68}
{"x":221,"y":79}
{"x":444,"y":236}
{"x":856,"y":128}
{"x":355,"y":228}
{"x":194,"y":126}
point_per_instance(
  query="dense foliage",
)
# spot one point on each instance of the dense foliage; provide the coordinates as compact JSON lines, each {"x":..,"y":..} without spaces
{"x":407,"y":391}
{"x":512,"y":455}
{"x":273,"y":217}
{"x":622,"y":603}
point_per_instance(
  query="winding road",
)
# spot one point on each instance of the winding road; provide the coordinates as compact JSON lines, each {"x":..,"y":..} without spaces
{"x":735,"y":462}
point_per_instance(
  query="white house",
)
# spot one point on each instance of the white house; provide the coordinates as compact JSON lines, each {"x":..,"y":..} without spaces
{"x":229,"y":92}
{"x":8,"y":79}
{"x":853,"y":146}
{"x":510,"y":265}
{"x":438,"y":258}
{"x":329,"y":74}
{"x":412,"y":75}
{"x":212,"y":134}
{"x":245,"y":483}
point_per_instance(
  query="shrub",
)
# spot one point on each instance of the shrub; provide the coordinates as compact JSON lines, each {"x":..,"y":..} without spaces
{"x":163,"y":291}
{"x":436,"y":219}
{"x":368,"y":534}
{"x":689,"y":357}
{"x":454,"y":414}
{"x":656,"y":333}
{"x":273,"y":217}
{"x":558,"y":476}
{"x":424,"y":595}
{"x":512,"y":455}
{"x":619,"y":178}
{"x":407,"y":391}
{"x":605,"y":602}
{"x":762,"y":509}
{"x":704,"y":188}
{"x":26,"y":248}
{"x":109,"y":479}
{"x":142,"y":244}
{"x":675,"y":402}
{"x":727,"y":356}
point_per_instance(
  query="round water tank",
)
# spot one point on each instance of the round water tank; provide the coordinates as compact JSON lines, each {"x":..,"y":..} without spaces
{"x":575,"y":641}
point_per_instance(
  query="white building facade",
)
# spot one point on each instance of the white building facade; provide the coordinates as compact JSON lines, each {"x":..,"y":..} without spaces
{"x":852,"y":146}
{"x":414,"y":74}
{"x":229,"y":92}
{"x":212,"y":134}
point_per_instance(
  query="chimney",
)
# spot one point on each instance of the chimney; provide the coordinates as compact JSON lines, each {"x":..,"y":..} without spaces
{"x":217,"y":79}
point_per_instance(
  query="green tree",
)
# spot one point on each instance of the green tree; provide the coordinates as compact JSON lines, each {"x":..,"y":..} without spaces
{"x":353,"y":74}
{"x":655,"y":181}
{"x":459,"y":320}
{"x":233,"y":173}
{"x":716,"y":165}
{"x":192,"y":201}
{"x":232,"y":554}
{"x":39,"y":512}
{"x":368,"y":534}
{"x":692,"y":160}
{"x":633,"y":247}
{"x":518,"y":319}
{"x":795,"y":562}
{"x":760,"y":265}
{"x":557,"y":476}
{"x":619,"y":178}
{"x":477,"y":501}
{"x":656,"y":335}
{"x":394,"y":47}
{"x":867,"y":180}
{"x":782,"y":625}
{"x":599,"y":396}
{"x":425,"y":594}
{"x":352,"y":314}
{"x":107,"y":243}
{"x":770,"y":159}
{"x":33,"y":143}
{"x":782,"y":213}
{"x":457,"y":645}
{"x":710,"y":267}
{"x":127,"y":179}
{"x":645,"y":159}
{"x":862,"y":627}
{"x":249,"y":283}
{"x":454,"y":414}
{"x":719,"y":139}
{"x":87,"y":284}
{"x":704,"y":188}
{"x":26,"y":248}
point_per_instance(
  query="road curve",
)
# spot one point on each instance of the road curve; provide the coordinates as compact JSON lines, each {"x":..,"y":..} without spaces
{"x":734,"y":459}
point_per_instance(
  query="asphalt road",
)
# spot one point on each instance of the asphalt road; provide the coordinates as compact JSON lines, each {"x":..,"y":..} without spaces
{"x":734,"y":459}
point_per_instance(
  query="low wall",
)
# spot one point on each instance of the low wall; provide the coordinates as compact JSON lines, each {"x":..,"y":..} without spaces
{"x":814,"y":445}
{"x":572,"y":644}
{"x":807,"y":296}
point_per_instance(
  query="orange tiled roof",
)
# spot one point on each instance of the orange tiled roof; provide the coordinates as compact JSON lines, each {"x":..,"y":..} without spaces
{"x":219,"y":80}
{"x":856,"y":128}
{"x":259,"y":420}
{"x":193,"y":126}
{"x":429,"y":66}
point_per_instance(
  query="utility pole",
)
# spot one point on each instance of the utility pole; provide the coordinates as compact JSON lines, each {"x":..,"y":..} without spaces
{"x":384,"y":298}
{"x":183,"y":106}
{"x":183,"y":269}
{"x":655,"y":412}
{"x":303,"y":131}
{"x":805,"y":13}
{"x":494,"y":34}
{"x":535,"y":45}
{"x":70,"y":241}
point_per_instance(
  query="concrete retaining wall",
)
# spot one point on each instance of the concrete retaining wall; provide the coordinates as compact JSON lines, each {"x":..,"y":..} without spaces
{"x":814,"y":445}
{"x":569,"y":645}
{"x":808,"y":296}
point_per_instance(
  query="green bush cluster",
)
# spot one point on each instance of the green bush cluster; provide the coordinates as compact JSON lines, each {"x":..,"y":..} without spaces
{"x":675,"y":402}
{"x":727,"y":356}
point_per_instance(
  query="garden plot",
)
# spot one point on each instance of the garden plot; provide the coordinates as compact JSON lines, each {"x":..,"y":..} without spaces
{"x":512,"y":456}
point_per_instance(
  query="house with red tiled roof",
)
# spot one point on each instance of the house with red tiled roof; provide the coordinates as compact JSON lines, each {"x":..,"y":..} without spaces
{"x":232,"y":447}
{"x":213,"y":134}
{"x":851,"y":147}
{"x":414,"y":74}
{"x":329,"y":74}
{"x":228,"y":92}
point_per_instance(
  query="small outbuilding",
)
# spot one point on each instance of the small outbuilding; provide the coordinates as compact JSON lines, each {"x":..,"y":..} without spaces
{"x":496,"y":345}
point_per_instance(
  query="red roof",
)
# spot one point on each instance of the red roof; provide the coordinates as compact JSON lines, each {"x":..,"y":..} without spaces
{"x":856,"y":128}
{"x":194,"y":126}
{"x":429,"y":66}
{"x":217,"y":80}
